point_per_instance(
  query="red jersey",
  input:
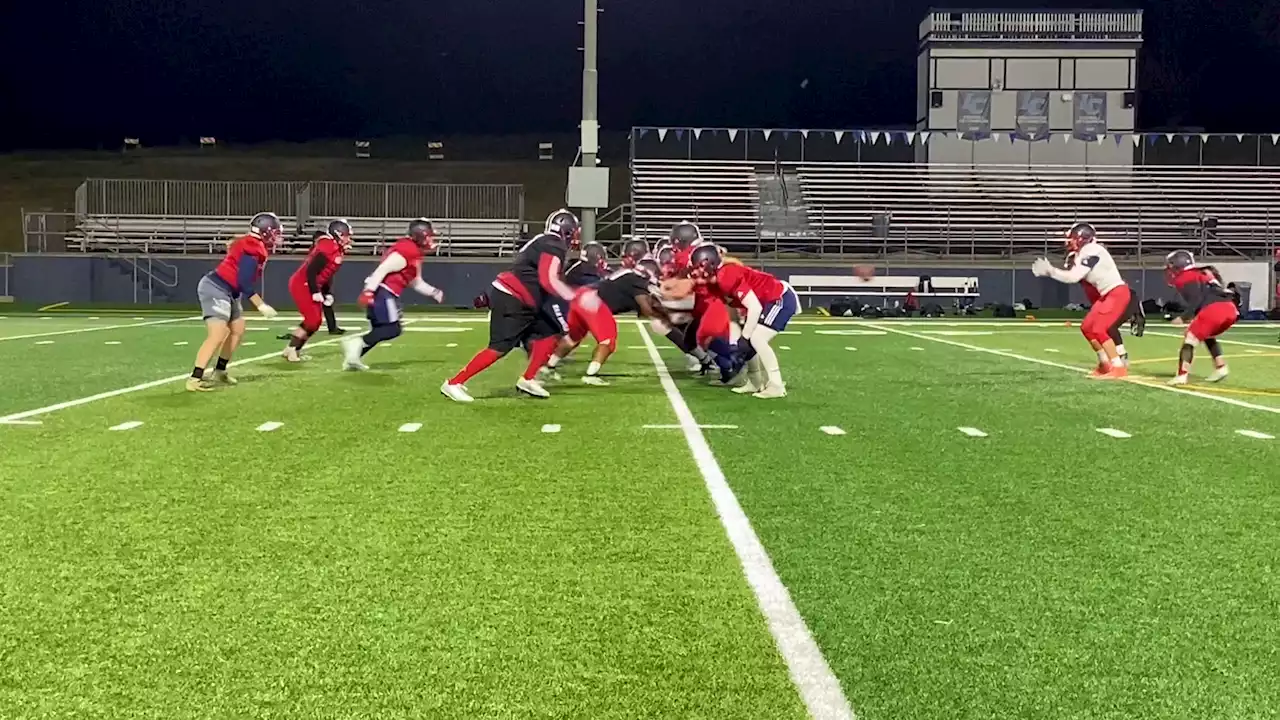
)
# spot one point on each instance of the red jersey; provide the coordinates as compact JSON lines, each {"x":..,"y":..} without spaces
{"x":322,"y":263}
{"x":242,"y":268}
{"x":397,"y":281}
{"x":735,"y":281}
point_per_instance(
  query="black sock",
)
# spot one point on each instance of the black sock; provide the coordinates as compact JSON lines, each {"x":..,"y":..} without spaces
{"x":197,"y":372}
{"x":330,"y":318}
{"x":222,"y":364}
{"x":1215,"y":350}
{"x":297,"y":342}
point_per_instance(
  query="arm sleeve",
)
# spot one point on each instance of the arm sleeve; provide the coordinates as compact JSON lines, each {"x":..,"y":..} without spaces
{"x":549,"y":277}
{"x":394,"y":262}
{"x":423,"y":287}
{"x":754,"y":308}
{"x":1192,"y":294}
{"x":1076,"y":273}
{"x":314,"y":268}
{"x":247,"y":275}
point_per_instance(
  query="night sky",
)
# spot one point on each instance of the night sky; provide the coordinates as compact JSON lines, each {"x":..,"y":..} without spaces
{"x":84,"y":72}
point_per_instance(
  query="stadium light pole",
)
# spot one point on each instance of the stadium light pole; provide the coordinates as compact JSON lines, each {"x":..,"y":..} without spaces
{"x":589,"y":134}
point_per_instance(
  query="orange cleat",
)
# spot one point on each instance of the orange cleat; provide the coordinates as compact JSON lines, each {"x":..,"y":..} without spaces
{"x":1117,"y":372}
{"x":1100,"y":371}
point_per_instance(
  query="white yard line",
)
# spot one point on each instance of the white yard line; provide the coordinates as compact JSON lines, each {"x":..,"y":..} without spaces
{"x":1112,"y":432}
{"x":127,"y":425}
{"x":832,"y":430}
{"x":972,"y":432}
{"x":550,"y":428}
{"x":410,"y":427}
{"x":818,"y":686}
{"x":7,"y":419}
{"x":1074,"y":368}
{"x":681,"y":427}
{"x":1256,"y":435}
{"x":1224,"y":341}
{"x":270,"y":426}
{"x":77,"y":331}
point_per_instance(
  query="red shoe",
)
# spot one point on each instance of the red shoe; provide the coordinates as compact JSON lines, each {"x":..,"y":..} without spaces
{"x":1117,"y":372}
{"x":1100,"y":371}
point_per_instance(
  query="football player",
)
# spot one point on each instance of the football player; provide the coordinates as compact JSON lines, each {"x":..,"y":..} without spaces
{"x":629,"y":290}
{"x":767,"y":305}
{"x":220,"y":293}
{"x":401,"y":268}
{"x":1134,"y":314}
{"x":517,"y":307}
{"x":310,"y":285}
{"x":1095,"y":266}
{"x":1211,"y":309}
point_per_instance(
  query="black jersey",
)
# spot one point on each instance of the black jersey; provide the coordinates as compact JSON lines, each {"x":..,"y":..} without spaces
{"x":618,"y":291}
{"x":582,"y":273}
{"x":529,"y":278}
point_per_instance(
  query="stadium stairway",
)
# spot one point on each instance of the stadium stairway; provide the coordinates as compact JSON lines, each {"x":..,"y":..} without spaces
{"x":153,"y":280}
{"x":783,"y":213}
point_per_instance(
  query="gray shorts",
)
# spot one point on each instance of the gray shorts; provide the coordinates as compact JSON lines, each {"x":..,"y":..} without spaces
{"x":216,"y":301}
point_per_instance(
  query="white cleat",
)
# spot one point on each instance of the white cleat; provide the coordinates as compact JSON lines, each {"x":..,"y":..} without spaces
{"x":594,"y":380}
{"x":547,"y":373}
{"x":747,"y":388}
{"x":351,"y":347}
{"x":456,"y":393}
{"x":770,"y":392}
{"x":1218,"y":375}
{"x":532,"y":387}
{"x":291,"y":354}
{"x":692,"y":364}
{"x":1179,"y":380}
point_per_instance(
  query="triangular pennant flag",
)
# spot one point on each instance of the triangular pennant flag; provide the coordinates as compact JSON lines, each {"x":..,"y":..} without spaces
{"x":804,"y":134}
{"x":1101,"y":138}
{"x":1275,"y":137}
{"x":679,"y":134}
{"x":1136,"y":139}
{"x":767,"y":133}
{"x":1152,"y":139}
{"x":1168,"y":136}
{"x":924,"y":137}
{"x":1240,"y":137}
{"x":662,"y":134}
{"x":1066,"y":137}
{"x":643,"y":132}
{"x":697,"y":133}
{"x":1186,"y":139}
{"x":1204,"y":137}
{"x":888,"y":138}
{"x":911,"y":138}
{"x":995,"y":137}
{"x":1013,"y":137}
{"x":875,"y":136}
{"x":786,"y":134}
{"x":839,"y":136}
{"x":1119,"y":139}
{"x":733,"y":135}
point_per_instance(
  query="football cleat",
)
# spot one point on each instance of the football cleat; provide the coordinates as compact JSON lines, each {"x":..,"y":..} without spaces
{"x":1218,"y":375}
{"x":1117,"y":372}
{"x":747,"y":388}
{"x":693,"y":364}
{"x":221,"y":377}
{"x":594,"y":380}
{"x":546,"y":373}
{"x":770,"y":392}
{"x":532,"y":388}
{"x":1100,"y":371}
{"x":1179,"y":380}
{"x":456,"y":393}
{"x":198,"y":385}
{"x":351,"y":347}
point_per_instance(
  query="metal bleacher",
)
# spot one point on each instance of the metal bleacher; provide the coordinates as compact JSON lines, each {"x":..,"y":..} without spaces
{"x":896,"y":208}
{"x":177,"y":216}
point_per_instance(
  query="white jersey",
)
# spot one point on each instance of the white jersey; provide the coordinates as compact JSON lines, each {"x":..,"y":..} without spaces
{"x":1095,"y":266}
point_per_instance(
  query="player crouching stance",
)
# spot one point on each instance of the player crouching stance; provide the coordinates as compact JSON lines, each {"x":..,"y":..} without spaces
{"x":629,"y":290}
{"x":220,"y":294}
{"x":1095,"y":266}
{"x":310,"y":285}
{"x":1211,"y":308}
{"x":767,"y":305}
{"x":401,"y":267}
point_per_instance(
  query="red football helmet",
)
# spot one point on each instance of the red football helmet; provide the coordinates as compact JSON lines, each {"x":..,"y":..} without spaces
{"x":1079,"y":235}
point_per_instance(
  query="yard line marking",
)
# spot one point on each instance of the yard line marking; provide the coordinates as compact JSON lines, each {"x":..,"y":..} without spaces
{"x":550,"y":428}
{"x":1074,"y":368}
{"x":1052,"y":350}
{"x":181,"y":342}
{"x":126,"y":425}
{"x":1254,"y":352}
{"x":44,"y":342}
{"x":918,"y":349}
{"x":1255,"y":435}
{"x":251,"y":343}
{"x":46,"y":319}
{"x":111,"y":342}
{"x":438,"y":329}
{"x":972,"y":432}
{"x":851,"y":348}
{"x":94,"y":317}
{"x":20,"y":422}
{"x":850,"y":332}
{"x":831,"y":430}
{"x":77,"y":331}
{"x":818,"y":687}
{"x":411,"y":427}
{"x":270,"y":426}
{"x":681,"y":427}
{"x":449,"y":345}
{"x":784,"y":347}
{"x":135,"y":388}
{"x":139,"y":318}
{"x":1112,"y":432}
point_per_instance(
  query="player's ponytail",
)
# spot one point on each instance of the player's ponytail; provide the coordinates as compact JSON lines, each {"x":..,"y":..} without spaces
{"x":1213,"y":271}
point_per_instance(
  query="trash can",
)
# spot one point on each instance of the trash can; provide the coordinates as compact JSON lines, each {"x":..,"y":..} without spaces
{"x":1244,"y":289}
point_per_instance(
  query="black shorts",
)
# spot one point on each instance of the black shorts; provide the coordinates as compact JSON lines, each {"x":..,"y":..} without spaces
{"x":511,"y":322}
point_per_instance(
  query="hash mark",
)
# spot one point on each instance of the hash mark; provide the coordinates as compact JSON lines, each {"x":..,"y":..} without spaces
{"x":1256,"y":435}
{"x":831,"y":430}
{"x":127,"y":425}
{"x":1112,"y":432}
{"x":972,"y":432}
{"x":270,"y":426}
{"x":550,"y":428}
{"x":410,"y":427}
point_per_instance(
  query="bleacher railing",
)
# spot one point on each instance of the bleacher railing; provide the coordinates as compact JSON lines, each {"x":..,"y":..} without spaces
{"x":301,"y":200}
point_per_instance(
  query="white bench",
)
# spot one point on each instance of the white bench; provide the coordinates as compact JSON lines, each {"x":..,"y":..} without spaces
{"x":884,"y":286}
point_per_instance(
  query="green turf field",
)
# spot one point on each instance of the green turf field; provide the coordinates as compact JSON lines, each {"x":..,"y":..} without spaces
{"x":957,"y":536}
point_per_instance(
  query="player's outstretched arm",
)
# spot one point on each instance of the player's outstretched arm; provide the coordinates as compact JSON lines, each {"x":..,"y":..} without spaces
{"x":754,"y":308}
{"x":549,"y":277}
{"x":425,"y":288}
{"x":652,"y":310}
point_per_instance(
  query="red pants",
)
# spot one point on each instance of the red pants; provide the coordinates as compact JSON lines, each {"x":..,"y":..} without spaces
{"x":600,"y":323}
{"x":1108,"y":311}
{"x":713,"y":323}
{"x":1213,"y":320}
{"x":312,"y":311}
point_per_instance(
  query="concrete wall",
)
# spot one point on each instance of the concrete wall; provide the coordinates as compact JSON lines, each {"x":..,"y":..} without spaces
{"x":81,"y":279}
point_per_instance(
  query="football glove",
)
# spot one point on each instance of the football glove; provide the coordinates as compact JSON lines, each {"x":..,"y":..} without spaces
{"x":328,"y":301}
{"x":317,"y":297}
{"x":366,"y":298}
{"x":1040,"y":268}
{"x":267,"y":311}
